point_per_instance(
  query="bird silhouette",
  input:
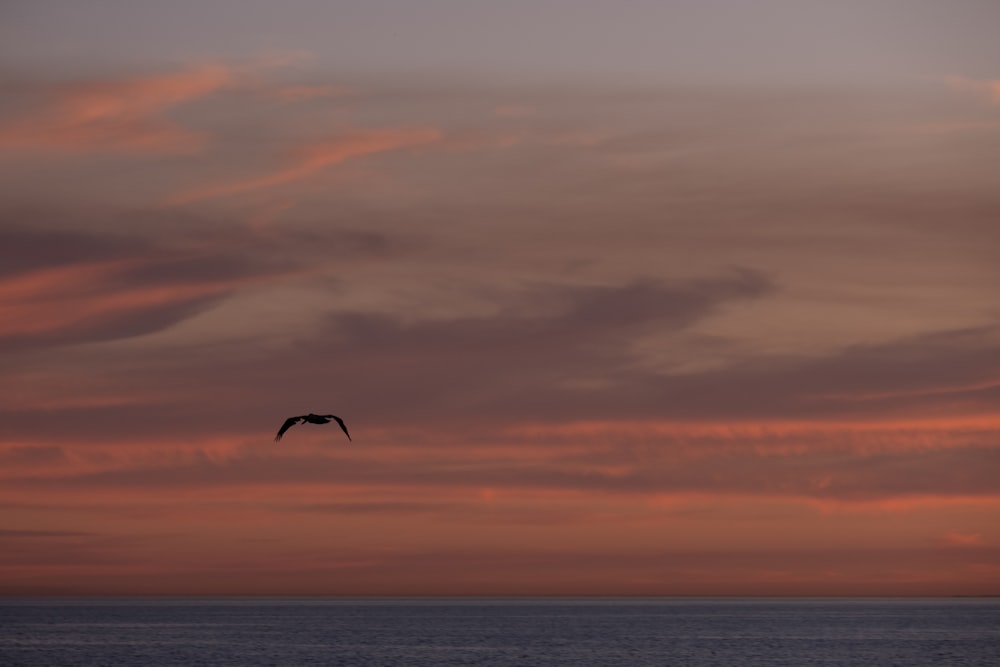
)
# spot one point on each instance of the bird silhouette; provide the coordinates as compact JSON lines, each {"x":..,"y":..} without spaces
{"x":312,"y":419}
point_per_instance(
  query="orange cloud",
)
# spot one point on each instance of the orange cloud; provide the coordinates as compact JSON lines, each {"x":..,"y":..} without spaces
{"x":317,"y":157}
{"x":118,"y":114}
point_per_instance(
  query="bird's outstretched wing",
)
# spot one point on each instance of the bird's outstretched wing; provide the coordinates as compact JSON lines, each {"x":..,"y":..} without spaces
{"x":342,"y":425}
{"x":290,"y":422}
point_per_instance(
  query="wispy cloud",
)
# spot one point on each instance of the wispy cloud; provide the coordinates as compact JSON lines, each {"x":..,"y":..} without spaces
{"x":318,"y":156}
{"x":112,"y":289}
{"x":122,"y":115}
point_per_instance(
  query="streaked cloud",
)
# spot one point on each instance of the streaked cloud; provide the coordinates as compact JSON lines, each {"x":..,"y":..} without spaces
{"x":316,"y":157}
{"x":109,"y":300}
{"x":117,"y":114}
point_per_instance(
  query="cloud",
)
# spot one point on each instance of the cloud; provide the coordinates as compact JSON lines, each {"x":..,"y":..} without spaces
{"x":583,"y":362}
{"x":557,"y":355}
{"x":302,"y":92}
{"x":424,"y":370}
{"x":119,"y":115}
{"x":41,"y":534}
{"x":71,"y":287}
{"x":135,"y":272}
{"x":318,"y":156}
{"x":985,"y":88}
{"x":40,"y":248}
{"x":961,"y":539}
{"x":41,"y":551}
{"x":513,"y":111}
{"x":538,"y":568}
{"x":30,"y":456}
{"x":828,"y":466}
{"x":656,"y":468}
{"x":533,"y":335}
{"x":96,"y":302}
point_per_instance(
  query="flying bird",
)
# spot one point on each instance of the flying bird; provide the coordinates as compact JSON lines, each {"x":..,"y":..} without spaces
{"x":312,"y":419}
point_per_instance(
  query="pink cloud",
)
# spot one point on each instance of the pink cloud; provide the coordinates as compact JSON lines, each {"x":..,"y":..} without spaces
{"x":316,"y":157}
{"x":123,"y":114}
{"x":72,"y":300}
{"x":55,"y":299}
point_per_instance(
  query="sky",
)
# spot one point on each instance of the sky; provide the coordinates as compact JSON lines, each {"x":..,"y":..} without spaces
{"x":631,"y":298}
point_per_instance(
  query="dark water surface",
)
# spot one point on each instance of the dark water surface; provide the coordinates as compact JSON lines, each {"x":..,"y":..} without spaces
{"x":480,"y":631}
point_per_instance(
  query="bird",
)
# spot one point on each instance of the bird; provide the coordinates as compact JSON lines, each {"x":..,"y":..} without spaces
{"x":312,"y":419}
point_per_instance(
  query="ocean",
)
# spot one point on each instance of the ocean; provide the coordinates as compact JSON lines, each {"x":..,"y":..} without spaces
{"x":522,"y":632}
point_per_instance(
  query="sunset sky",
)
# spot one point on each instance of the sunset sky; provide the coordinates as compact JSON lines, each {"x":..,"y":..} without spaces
{"x":616,"y":298}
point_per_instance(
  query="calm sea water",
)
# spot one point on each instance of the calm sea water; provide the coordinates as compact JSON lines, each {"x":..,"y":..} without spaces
{"x":522,"y":632}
